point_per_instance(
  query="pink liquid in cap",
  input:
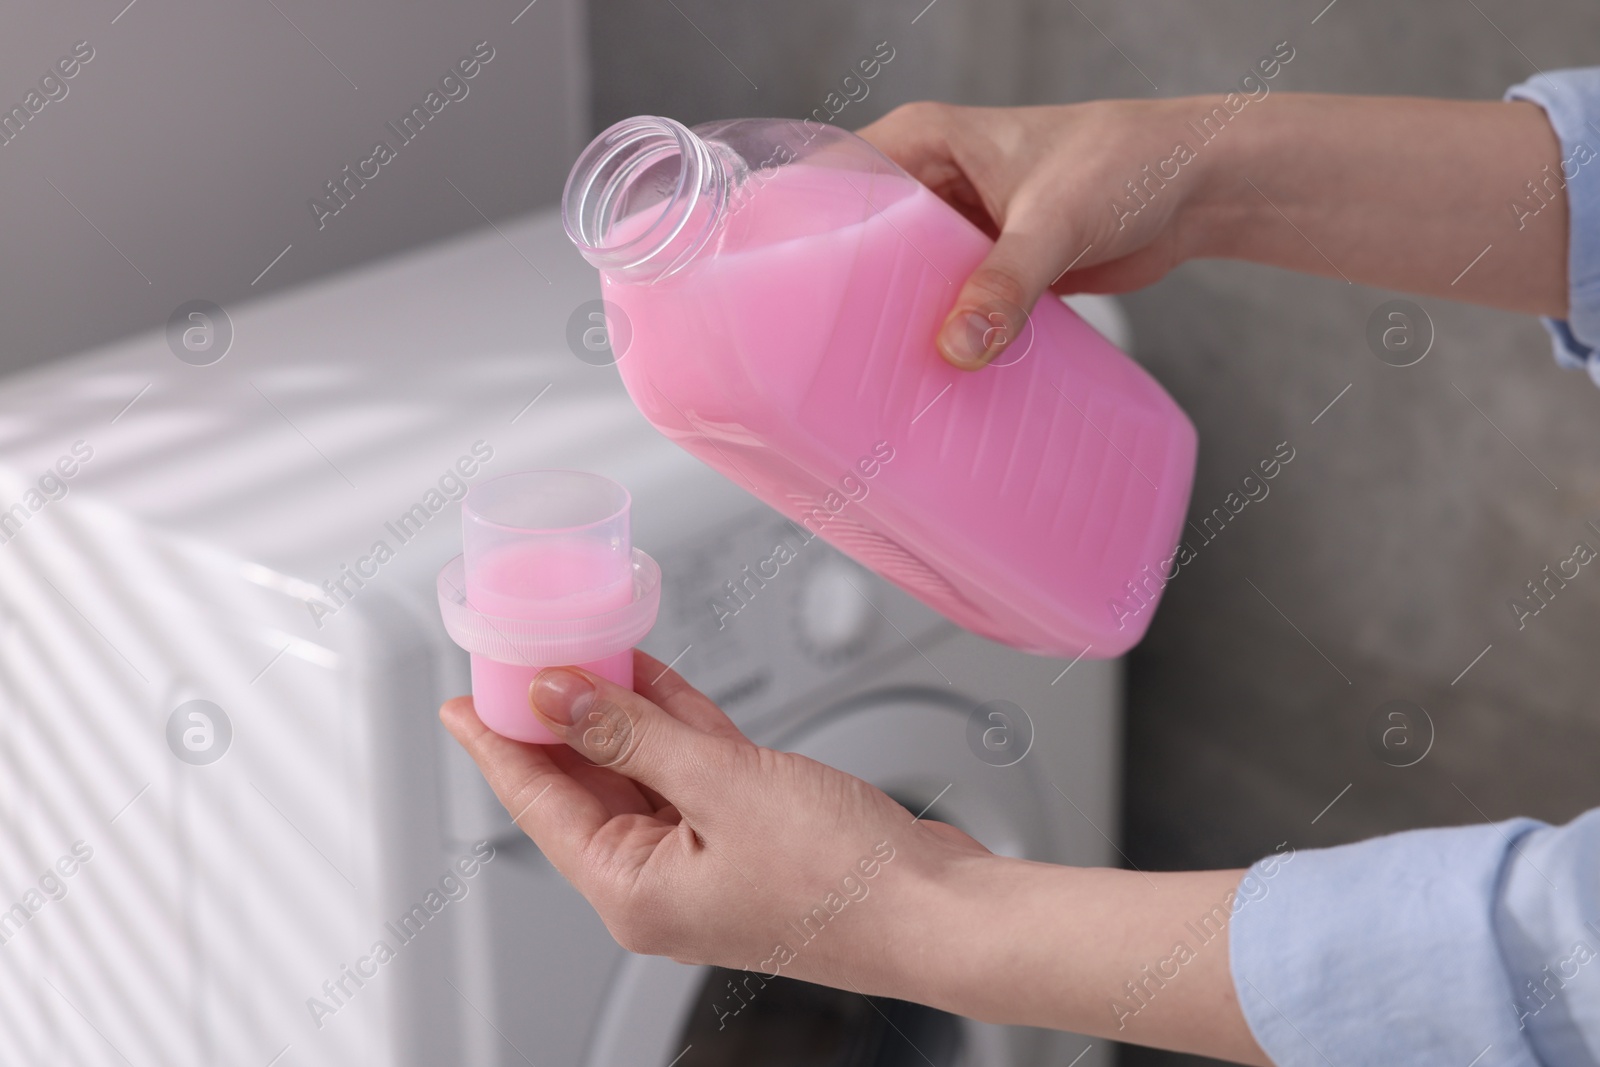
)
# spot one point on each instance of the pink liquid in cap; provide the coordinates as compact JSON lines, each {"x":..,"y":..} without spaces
{"x":543,"y":546}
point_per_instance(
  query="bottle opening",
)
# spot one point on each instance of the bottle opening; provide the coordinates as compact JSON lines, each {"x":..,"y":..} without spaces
{"x":644,"y":198}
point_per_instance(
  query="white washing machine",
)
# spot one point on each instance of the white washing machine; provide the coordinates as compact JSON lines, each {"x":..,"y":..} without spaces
{"x":217,"y":799}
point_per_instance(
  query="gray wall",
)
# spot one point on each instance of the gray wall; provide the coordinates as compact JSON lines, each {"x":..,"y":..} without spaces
{"x":698,"y":61}
{"x":182,"y":158}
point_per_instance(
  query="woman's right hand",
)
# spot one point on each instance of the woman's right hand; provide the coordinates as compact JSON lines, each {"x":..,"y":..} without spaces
{"x":1103,"y":197}
{"x":1045,"y":182}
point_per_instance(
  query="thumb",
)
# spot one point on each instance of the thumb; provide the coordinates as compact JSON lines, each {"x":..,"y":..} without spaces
{"x":997,"y":300}
{"x":621,"y":730}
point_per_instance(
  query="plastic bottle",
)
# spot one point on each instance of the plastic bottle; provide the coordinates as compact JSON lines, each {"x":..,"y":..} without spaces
{"x":782,"y":283}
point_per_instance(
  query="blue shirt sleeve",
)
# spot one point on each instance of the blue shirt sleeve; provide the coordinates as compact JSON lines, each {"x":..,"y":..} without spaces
{"x":1472,"y":946}
{"x":1571,"y":100}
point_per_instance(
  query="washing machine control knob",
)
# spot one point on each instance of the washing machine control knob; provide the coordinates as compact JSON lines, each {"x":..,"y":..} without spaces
{"x":834,"y":615}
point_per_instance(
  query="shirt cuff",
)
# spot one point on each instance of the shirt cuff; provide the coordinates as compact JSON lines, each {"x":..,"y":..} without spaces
{"x":1548,"y":923}
{"x":1382,"y":951}
{"x":1571,"y":101}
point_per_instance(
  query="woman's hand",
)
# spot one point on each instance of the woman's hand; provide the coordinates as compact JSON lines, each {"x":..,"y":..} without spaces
{"x":1459,"y":199}
{"x":692,"y":842}
{"x":1040,"y":180}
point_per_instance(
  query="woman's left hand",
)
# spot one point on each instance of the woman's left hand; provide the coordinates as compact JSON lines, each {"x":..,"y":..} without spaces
{"x":693,"y":842}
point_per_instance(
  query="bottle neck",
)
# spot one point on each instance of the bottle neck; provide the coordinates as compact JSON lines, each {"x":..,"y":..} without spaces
{"x":645,"y":197}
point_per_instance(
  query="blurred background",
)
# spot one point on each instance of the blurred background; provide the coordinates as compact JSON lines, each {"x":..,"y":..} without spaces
{"x":182,"y":162}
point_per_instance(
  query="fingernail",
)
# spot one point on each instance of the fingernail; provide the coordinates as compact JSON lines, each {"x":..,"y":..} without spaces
{"x":965,"y":338}
{"x":560,"y":695}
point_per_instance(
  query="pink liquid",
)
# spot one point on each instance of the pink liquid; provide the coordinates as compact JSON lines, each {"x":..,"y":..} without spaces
{"x":547,"y":580}
{"x":797,"y":356}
